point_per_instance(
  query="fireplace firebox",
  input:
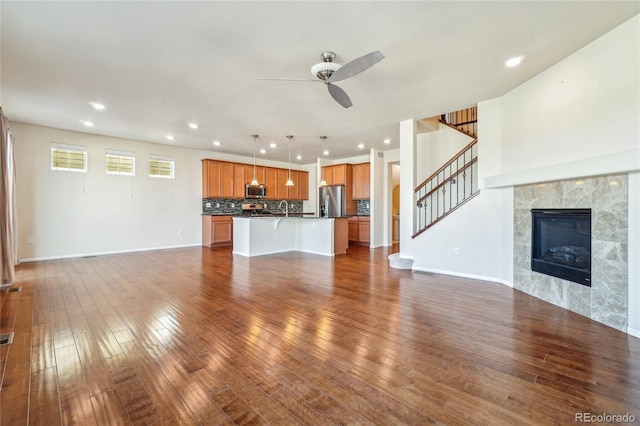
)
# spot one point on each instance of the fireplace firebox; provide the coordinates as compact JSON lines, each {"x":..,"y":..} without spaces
{"x":561,"y":244}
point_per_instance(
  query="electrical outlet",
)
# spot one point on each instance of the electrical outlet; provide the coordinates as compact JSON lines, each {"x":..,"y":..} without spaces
{"x":217,"y":205}
{"x":233,"y":205}
{"x":179,"y":231}
{"x":30,"y":241}
{"x":456,"y":251}
{"x":207,"y":205}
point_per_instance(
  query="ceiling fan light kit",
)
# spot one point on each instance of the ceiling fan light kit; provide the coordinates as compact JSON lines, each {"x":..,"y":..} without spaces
{"x":327,"y":67}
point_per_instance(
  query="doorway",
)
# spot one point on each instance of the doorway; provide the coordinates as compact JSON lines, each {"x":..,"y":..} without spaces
{"x":395,"y":202}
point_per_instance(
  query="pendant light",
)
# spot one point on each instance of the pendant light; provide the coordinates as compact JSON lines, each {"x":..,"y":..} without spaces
{"x":322,"y":181}
{"x":289,"y":181}
{"x":254,"y":182}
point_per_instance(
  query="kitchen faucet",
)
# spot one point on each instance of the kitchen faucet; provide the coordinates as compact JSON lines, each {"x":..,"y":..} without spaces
{"x":286,"y":207}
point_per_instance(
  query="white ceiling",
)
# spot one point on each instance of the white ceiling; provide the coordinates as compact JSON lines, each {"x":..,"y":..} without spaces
{"x":159,"y":65}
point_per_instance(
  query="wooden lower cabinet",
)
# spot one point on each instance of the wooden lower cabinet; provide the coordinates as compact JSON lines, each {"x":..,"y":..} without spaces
{"x":363,"y":230}
{"x":353,"y":228}
{"x":340,"y":235}
{"x":359,"y":230}
{"x":217,"y":231}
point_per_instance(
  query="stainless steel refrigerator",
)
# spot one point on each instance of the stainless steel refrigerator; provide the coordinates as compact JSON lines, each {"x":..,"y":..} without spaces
{"x":332,"y":202}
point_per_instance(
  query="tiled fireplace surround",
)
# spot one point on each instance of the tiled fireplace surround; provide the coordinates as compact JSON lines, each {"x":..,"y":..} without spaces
{"x":606,"y":301}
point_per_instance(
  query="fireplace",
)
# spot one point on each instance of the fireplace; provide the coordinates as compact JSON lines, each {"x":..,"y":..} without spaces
{"x":561,"y":244}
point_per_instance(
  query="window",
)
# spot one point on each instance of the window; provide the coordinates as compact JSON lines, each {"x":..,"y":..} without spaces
{"x":121,"y":163}
{"x":161,"y":167}
{"x":70,"y":158}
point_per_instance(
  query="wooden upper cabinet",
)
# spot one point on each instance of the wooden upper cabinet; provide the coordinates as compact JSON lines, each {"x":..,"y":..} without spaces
{"x":240,"y":179}
{"x":283,"y":190}
{"x":260,"y":174}
{"x":326,"y":173}
{"x":293,"y":192}
{"x":271,"y":182}
{"x":221,"y":179}
{"x":217,"y":179}
{"x":210,"y":179}
{"x":361,"y":181}
{"x":303,"y":185}
{"x":339,"y":174}
{"x":227,"y":187}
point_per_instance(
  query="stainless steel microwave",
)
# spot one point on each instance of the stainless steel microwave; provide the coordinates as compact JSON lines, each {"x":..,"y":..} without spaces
{"x":259,"y":191}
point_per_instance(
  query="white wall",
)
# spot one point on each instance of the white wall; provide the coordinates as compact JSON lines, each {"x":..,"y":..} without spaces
{"x":72,"y":214}
{"x":379,"y":199}
{"x":584,"y":106}
{"x":436,"y":148}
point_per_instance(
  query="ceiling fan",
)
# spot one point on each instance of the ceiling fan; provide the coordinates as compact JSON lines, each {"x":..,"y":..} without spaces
{"x":329,"y":72}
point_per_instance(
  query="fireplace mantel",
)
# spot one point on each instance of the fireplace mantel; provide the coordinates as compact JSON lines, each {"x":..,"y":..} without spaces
{"x":622,"y":162}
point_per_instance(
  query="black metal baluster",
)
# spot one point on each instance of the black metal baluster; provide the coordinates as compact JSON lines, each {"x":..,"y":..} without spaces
{"x":450,"y":180}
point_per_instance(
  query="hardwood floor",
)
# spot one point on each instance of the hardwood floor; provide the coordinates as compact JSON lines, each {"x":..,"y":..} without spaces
{"x":197,"y":336}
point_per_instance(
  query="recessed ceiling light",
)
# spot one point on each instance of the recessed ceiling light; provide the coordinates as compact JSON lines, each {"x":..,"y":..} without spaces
{"x":299,"y":157}
{"x":216,"y":143}
{"x":263,"y":151}
{"x":387,"y":141}
{"x":170,"y":137}
{"x":193,"y":125}
{"x":273,"y":145}
{"x":361,"y":145}
{"x":97,"y":105}
{"x":88,"y":123}
{"x":513,"y":62}
{"x":325,"y":152}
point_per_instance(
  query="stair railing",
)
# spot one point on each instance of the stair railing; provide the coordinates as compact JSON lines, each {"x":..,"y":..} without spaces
{"x":449,"y":187}
{"x":465,"y":120}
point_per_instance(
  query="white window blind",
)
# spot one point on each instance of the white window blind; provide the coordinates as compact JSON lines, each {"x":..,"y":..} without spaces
{"x":161,"y":167}
{"x":70,"y":158}
{"x":121,"y":163}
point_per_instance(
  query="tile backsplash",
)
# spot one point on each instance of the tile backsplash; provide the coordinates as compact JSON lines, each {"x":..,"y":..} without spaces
{"x":232,"y":207}
{"x":363,"y":207}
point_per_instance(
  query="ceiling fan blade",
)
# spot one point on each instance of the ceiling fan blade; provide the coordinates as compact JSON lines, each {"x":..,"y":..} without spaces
{"x":292,"y":79}
{"x":339,"y":95}
{"x":356,"y":66}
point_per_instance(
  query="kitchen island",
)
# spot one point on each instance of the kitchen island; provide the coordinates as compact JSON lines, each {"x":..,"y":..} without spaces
{"x":258,"y":236}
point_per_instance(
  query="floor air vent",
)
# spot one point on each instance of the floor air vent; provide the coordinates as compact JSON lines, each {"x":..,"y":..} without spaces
{"x":14,"y":289}
{"x":6,"y":338}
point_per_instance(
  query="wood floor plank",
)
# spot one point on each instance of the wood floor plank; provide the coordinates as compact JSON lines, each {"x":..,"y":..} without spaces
{"x":199,"y":336}
{"x":44,"y":398}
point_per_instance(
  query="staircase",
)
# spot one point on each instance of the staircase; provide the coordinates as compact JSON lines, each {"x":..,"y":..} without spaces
{"x":464,"y":120}
{"x":455,"y":182}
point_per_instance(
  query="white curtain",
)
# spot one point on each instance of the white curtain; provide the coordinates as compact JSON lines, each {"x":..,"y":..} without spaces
{"x":8,"y":206}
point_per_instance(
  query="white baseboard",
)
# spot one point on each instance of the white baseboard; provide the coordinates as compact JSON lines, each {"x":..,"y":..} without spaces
{"x":103,"y":253}
{"x":461,"y":275}
{"x":633,"y":332}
